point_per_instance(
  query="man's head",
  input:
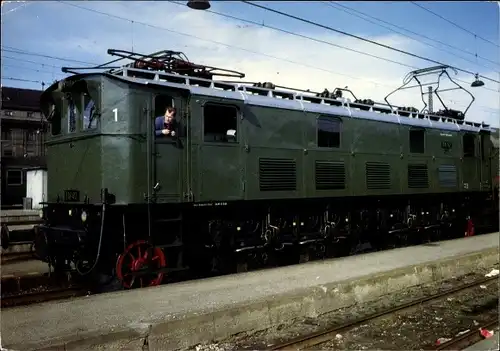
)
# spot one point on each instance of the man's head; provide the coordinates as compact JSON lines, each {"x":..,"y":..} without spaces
{"x":170,"y":114}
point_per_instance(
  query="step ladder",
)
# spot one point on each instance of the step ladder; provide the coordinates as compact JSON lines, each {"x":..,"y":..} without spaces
{"x":176,"y":245}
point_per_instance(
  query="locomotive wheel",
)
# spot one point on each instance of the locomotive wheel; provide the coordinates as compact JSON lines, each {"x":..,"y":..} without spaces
{"x":135,"y":258}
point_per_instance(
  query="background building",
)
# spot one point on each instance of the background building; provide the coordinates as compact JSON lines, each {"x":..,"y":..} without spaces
{"x":22,"y":143}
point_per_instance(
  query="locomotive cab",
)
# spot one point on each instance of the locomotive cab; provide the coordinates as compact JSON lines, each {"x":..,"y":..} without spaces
{"x":71,"y":208}
{"x":104,"y":160}
{"x":72,"y":108}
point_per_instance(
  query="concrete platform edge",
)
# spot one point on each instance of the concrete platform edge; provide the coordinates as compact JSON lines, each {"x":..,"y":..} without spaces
{"x":191,"y":329}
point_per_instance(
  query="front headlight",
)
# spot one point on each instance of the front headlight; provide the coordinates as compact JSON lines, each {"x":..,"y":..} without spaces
{"x":40,"y":213}
{"x":83,"y":216}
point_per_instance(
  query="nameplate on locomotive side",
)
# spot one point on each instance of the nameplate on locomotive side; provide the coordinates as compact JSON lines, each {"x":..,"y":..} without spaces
{"x":71,"y":195}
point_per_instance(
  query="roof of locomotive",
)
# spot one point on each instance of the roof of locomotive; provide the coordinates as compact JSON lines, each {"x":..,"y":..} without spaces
{"x":285,"y":98}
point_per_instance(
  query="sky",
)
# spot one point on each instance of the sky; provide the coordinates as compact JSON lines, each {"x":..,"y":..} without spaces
{"x":38,"y":38}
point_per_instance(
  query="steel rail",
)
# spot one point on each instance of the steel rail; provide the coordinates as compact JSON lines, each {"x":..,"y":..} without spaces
{"x":329,"y":334}
{"x":42,"y":296}
{"x":465,"y":340}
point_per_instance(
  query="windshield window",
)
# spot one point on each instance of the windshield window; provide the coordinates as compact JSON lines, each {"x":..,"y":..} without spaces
{"x":89,"y":120}
{"x":71,"y":114}
{"x":74,"y":109}
{"x":51,"y":105}
{"x":85,"y":103}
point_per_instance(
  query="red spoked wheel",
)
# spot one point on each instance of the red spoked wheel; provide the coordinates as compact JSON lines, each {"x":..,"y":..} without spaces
{"x":136,"y":258}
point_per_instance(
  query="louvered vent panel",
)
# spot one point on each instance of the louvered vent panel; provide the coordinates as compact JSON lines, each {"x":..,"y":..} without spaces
{"x":330,"y":175}
{"x":378,"y":175}
{"x":447,"y":175}
{"x":277,"y":174}
{"x":418,"y":176}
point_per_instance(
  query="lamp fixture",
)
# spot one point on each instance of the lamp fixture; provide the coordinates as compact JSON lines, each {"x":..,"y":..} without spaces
{"x":198,"y":4}
{"x":477,"y":83}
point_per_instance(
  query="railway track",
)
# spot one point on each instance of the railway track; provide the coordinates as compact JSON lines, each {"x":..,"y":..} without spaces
{"x":28,"y":298}
{"x":463,"y":341}
{"x":314,"y":339}
{"x":38,"y":287}
{"x":19,"y":251}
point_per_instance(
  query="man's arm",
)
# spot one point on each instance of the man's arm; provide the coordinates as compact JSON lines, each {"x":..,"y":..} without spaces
{"x":158,"y":126}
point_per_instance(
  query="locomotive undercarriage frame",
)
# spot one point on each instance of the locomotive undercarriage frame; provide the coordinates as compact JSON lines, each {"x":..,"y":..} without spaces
{"x":241,"y":236}
{"x":354,"y":225}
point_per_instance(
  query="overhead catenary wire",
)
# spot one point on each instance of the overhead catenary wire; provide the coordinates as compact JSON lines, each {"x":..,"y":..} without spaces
{"x":189,"y":35}
{"x":347,"y":10}
{"x":319,"y":41}
{"x":454,"y":24}
{"x":303,"y":36}
{"x":221,"y":43}
{"x":32,"y":69}
{"x":29,"y":61}
{"x":23,"y":80}
{"x":147,"y":24}
{"x":244,"y":49}
{"x":24,"y":4}
{"x":30,"y":53}
{"x":363,"y":39}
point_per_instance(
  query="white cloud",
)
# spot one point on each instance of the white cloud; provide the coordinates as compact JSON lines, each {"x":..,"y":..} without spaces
{"x":367,"y":77}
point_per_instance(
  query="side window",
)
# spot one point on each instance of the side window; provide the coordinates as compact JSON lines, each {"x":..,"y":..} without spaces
{"x":220,"y":123}
{"x":14,"y":177}
{"x":55,"y":119}
{"x":417,"y":141}
{"x":329,"y":130}
{"x":51,"y":108}
{"x":469,"y":145}
{"x":161,"y":104}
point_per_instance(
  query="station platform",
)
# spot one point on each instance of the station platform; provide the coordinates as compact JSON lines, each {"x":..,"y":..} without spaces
{"x":179,"y":315}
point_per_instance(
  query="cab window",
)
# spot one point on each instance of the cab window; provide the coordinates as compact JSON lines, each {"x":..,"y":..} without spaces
{"x":161,"y":104}
{"x":89,"y":109}
{"x":75,"y":109}
{"x":51,"y":109}
{"x":71,"y":113}
{"x":86,"y":100}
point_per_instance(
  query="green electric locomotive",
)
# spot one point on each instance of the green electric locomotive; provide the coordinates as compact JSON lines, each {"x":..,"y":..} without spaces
{"x":246,"y":173}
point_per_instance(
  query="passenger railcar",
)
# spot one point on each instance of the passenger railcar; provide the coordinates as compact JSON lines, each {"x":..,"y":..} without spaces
{"x":256,"y":173}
